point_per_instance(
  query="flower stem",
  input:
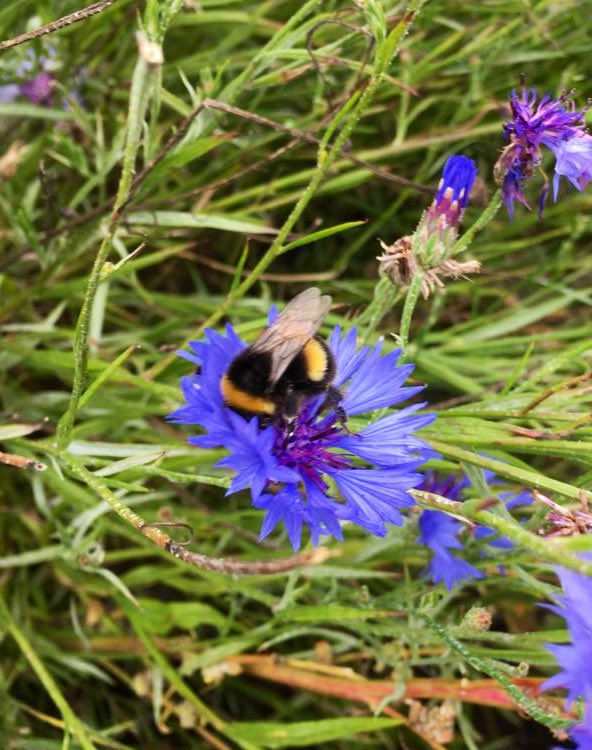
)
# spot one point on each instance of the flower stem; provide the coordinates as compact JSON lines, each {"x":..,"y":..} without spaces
{"x":487,"y":215}
{"x":385,"y":298}
{"x":524,"y":701}
{"x":144,"y":81}
{"x":411,"y":298}
{"x":154,"y":533}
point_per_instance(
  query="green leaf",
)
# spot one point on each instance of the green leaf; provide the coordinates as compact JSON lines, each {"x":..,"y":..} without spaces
{"x":186,"y":220}
{"x":129,"y":463}
{"x":10,"y":431}
{"x":332,"y":613}
{"x":309,"y":733}
{"x":321,"y":234}
{"x":162,"y":617}
{"x":23,"y":110}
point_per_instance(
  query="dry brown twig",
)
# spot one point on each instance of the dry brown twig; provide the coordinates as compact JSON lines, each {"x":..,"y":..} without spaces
{"x":60,"y":23}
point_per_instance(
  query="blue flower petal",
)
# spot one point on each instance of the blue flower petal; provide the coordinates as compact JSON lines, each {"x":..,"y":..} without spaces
{"x":347,"y":357}
{"x":389,"y":441}
{"x":576,"y":608}
{"x":458,"y":176}
{"x":252,"y":457}
{"x":574,"y":162}
{"x":375,"y":496}
{"x":285,"y":507}
{"x":377,"y":383}
{"x":451,"y":570}
{"x":439,"y":532}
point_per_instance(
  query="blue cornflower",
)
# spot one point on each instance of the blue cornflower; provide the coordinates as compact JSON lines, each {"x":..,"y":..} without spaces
{"x":576,"y":609}
{"x":36,"y":81}
{"x":554,"y":123}
{"x":429,"y":251}
{"x":439,"y":531}
{"x":315,"y":472}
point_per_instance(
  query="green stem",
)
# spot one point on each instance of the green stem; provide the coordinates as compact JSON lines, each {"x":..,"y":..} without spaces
{"x":521,"y":476}
{"x":143,"y":81}
{"x":487,"y":215}
{"x":72,"y":723}
{"x":66,"y":422}
{"x":526,"y":703}
{"x":92,"y":481}
{"x":408,"y":307}
{"x":385,"y":298}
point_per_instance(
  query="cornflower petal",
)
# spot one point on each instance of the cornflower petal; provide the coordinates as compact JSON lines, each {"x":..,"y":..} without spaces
{"x":284,"y":507}
{"x":450,"y":570}
{"x":252,"y":457}
{"x":452,"y":196}
{"x":439,"y":532}
{"x":377,"y":383}
{"x":389,"y":440}
{"x":376,"y":496}
{"x":574,"y":162}
{"x":288,"y":507}
{"x":347,"y":356}
{"x":581,"y":733}
{"x":571,"y":677}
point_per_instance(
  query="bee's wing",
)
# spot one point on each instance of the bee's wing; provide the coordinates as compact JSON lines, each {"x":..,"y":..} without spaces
{"x":297,"y":323}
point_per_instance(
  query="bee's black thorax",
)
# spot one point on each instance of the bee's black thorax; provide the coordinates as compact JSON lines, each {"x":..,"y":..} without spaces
{"x":309,"y":374}
{"x":250,"y":372}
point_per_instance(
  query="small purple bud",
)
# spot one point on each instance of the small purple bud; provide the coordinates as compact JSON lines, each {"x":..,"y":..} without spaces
{"x":452,"y":196}
{"x":39,"y":89}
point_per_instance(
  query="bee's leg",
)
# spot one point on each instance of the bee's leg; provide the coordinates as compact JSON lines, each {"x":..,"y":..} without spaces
{"x":333,"y":401}
{"x":290,"y":405}
{"x":290,"y":428}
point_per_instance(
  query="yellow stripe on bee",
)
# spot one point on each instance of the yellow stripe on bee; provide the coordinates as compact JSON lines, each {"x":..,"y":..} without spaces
{"x":316,"y":360}
{"x":238,"y":399}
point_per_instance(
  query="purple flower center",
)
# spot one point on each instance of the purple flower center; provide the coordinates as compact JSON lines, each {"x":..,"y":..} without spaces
{"x":305,"y":444}
{"x":547,"y":122}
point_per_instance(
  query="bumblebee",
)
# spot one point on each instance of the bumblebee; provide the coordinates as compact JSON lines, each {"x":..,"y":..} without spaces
{"x":285,"y":366}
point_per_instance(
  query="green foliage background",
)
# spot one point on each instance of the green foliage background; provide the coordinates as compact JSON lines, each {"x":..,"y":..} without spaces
{"x":106,"y":638}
